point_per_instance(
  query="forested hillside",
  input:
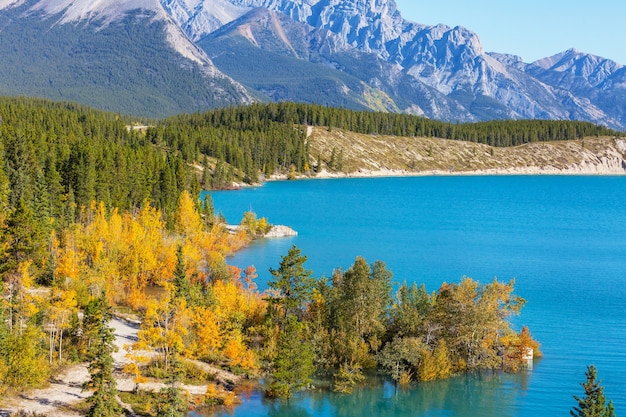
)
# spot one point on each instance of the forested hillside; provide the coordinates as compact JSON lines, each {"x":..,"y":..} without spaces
{"x":59,"y":157}
{"x":126,"y":66}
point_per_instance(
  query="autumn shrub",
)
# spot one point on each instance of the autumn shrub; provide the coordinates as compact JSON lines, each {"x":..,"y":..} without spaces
{"x":216,"y":395}
{"x":347,"y":377}
{"x":155,"y":369}
{"x":142,"y":402}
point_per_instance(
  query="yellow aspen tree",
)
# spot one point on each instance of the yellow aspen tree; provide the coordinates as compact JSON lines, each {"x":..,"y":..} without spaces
{"x":207,"y":332}
{"x":96,"y":233}
{"x":26,"y":364}
{"x":21,"y":300}
{"x":442,"y":360}
{"x":427,"y":370}
{"x":68,"y":262}
{"x":63,"y":304}
{"x":136,"y":358}
{"x":187,"y":220}
{"x":193,"y":258}
{"x":235,"y":350}
{"x":114,"y":243}
{"x":164,"y":326}
{"x":227,"y":304}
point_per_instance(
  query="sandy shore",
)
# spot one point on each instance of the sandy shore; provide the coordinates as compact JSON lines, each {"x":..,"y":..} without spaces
{"x":574,"y":170}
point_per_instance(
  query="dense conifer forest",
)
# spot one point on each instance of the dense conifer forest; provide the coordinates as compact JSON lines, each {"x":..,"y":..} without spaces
{"x":95,"y":213}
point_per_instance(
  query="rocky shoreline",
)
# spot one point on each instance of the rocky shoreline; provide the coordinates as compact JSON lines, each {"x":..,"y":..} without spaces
{"x":276,"y":231}
{"x":583,"y":169}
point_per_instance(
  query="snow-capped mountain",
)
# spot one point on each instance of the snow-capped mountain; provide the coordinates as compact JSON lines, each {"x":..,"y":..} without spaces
{"x":356,"y":53}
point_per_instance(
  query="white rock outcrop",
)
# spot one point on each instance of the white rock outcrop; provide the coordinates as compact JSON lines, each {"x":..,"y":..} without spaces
{"x":280,"y":231}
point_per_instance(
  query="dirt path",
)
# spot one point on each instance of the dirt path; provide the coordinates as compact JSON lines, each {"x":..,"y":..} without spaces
{"x":65,"y":389}
{"x":54,"y":400}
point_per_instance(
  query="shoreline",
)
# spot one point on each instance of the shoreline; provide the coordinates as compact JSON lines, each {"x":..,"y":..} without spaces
{"x":364,"y":156}
{"x":391,"y":173}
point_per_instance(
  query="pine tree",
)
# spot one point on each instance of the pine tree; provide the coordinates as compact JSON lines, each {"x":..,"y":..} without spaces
{"x":206,"y":174}
{"x":208,"y":211}
{"x":292,"y":284}
{"x":293,"y":363}
{"x":181,"y":283}
{"x":4,"y":210}
{"x":594,"y":402}
{"x":104,"y":398}
{"x":610,"y":410}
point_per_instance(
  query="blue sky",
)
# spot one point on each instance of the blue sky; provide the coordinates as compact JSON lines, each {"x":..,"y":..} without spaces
{"x":532,"y":29}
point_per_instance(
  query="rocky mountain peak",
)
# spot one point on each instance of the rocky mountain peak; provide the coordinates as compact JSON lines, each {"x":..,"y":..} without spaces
{"x":365,"y":24}
{"x":592,"y":68}
{"x":388,"y":62}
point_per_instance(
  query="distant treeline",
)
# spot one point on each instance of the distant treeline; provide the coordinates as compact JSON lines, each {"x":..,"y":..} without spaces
{"x":495,"y":133}
{"x":251,"y":139}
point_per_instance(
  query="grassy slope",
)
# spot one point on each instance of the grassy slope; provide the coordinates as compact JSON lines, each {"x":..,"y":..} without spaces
{"x":414,"y":155}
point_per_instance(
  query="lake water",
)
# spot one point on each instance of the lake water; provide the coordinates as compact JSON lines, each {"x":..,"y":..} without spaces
{"x":563,"y":239}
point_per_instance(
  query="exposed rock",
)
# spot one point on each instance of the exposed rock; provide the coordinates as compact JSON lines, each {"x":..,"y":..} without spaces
{"x":280,"y":231}
{"x":378,"y":155}
{"x":451,"y":76}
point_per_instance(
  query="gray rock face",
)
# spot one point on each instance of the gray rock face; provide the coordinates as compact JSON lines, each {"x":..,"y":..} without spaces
{"x":437,"y":71}
{"x":443,"y":62}
{"x":200,"y":17}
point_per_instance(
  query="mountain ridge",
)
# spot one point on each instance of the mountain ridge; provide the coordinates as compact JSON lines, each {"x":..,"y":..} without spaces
{"x":135,"y":61}
{"x":437,"y":71}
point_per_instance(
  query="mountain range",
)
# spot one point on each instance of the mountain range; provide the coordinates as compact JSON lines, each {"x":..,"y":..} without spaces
{"x":162,"y":57}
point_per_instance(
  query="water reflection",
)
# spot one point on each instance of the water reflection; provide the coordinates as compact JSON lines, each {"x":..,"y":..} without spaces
{"x":487,"y":394}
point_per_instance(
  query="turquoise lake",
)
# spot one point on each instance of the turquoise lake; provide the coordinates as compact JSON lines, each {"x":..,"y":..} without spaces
{"x":562,"y":238}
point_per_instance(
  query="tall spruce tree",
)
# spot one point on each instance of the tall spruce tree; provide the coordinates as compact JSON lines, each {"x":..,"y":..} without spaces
{"x":181,"y":282}
{"x":292,"y":285}
{"x":593,"y":404}
{"x":292,"y":364}
{"x":170,"y":402}
{"x":104,"y":398}
{"x":207,"y":211}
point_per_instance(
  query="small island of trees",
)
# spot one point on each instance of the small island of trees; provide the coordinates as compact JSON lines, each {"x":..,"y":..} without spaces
{"x":353,"y":322}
